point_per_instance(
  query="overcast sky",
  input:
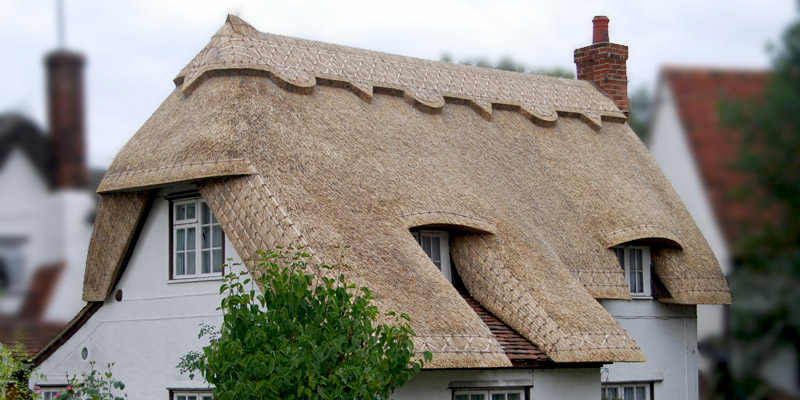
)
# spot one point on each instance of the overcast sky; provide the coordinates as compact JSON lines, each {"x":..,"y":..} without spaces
{"x":135,"y":48}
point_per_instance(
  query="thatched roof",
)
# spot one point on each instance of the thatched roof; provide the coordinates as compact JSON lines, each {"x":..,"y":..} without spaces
{"x":305,"y":143}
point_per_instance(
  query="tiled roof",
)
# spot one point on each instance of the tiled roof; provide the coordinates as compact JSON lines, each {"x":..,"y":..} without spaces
{"x":32,"y":336}
{"x":698,"y":95}
{"x":16,"y":130}
{"x":518,"y":349}
{"x":43,"y":284}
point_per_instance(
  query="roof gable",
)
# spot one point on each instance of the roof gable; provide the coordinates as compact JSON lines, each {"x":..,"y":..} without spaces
{"x":17,"y":131}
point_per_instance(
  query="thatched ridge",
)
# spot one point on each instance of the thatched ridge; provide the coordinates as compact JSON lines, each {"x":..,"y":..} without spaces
{"x":534,"y":202}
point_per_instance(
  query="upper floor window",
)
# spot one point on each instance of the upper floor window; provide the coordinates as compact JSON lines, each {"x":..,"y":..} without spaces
{"x":635,"y":261}
{"x":197,"y":240}
{"x":12,"y":266}
{"x":436,"y":244}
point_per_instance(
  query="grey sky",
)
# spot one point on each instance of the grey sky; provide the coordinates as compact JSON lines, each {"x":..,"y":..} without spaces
{"x":135,"y":48}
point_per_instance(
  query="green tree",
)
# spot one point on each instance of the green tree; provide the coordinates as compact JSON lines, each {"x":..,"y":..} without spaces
{"x":765,"y":317}
{"x":507,"y":63}
{"x":295,"y":339}
{"x":639,"y":119}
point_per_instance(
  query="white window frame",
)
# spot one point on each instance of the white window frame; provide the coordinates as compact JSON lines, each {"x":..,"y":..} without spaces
{"x":631,"y":269}
{"x":50,"y":392}
{"x":197,"y":224}
{"x":620,"y":391}
{"x":185,"y":394}
{"x":444,"y":249}
{"x":488,"y":393}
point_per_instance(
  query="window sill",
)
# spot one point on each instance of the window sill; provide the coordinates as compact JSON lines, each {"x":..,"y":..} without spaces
{"x":641,"y":297}
{"x":195,"y":279}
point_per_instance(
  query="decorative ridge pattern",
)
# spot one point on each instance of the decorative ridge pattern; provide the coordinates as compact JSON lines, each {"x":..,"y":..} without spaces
{"x":237,"y":45}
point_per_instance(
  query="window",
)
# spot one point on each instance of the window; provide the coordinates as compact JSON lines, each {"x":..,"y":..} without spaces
{"x":625,"y":392}
{"x":197,"y":241}
{"x":55,"y":393}
{"x":489,"y":394}
{"x":192,"y":396}
{"x":635,"y":261}
{"x":436,"y":244}
{"x":12,"y":266}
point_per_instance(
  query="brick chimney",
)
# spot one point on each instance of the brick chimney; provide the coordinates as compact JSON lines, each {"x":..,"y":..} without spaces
{"x":604,"y":64}
{"x":65,"y":107}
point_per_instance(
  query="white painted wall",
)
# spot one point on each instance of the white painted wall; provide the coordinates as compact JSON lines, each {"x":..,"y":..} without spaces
{"x":670,"y":148}
{"x":666,"y":333}
{"x":23,"y":196}
{"x":156,"y":322}
{"x":546,"y":384}
{"x":54,"y":228}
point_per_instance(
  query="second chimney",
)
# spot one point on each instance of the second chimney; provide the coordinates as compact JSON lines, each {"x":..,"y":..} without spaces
{"x":65,"y":104}
{"x":604,"y":63}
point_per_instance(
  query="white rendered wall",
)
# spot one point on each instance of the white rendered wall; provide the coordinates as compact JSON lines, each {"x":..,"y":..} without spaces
{"x":666,"y":333}
{"x":573,"y":384}
{"x":156,"y":322}
{"x":670,"y":148}
{"x":70,"y":217}
{"x":23,"y":196}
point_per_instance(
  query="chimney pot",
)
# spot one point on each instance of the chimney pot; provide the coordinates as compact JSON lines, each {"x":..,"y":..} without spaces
{"x":600,"y":29}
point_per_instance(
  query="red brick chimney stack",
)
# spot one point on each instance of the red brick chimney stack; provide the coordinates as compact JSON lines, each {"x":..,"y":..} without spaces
{"x":65,"y":106}
{"x":604,"y":63}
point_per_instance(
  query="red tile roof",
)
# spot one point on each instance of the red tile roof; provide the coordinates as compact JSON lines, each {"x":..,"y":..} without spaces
{"x":43,"y":285}
{"x":32,"y":336}
{"x":518,"y":349}
{"x":698,"y":93}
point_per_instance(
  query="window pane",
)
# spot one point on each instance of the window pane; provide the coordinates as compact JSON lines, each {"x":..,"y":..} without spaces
{"x":207,"y":397}
{"x":181,"y":397}
{"x":640,"y":282}
{"x":514,"y":396}
{"x":181,"y":211}
{"x":640,"y":393}
{"x":205,"y":237}
{"x":190,"y":239}
{"x":603,"y":390}
{"x":204,"y":213}
{"x":180,"y":265}
{"x":217,"y":261}
{"x":621,"y":258}
{"x":498,"y":396}
{"x":190,"y":263}
{"x":477,"y":397}
{"x":435,"y":249}
{"x":190,"y":211}
{"x":426,"y":245}
{"x":627,"y":393}
{"x":191,"y":397}
{"x":180,"y":239}
{"x":461,"y":397}
{"x":205,"y":261}
{"x":217,"y":236}
{"x":611,"y":393}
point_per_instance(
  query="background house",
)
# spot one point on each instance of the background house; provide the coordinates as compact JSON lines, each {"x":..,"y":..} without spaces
{"x":696,"y":151}
{"x":47,"y":213}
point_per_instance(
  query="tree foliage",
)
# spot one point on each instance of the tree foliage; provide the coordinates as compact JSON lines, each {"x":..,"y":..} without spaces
{"x":507,"y":63}
{"x":295,"y":339}
{"x":765,"y":317}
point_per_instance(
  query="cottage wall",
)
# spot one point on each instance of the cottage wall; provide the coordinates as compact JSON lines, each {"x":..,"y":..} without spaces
{"x":147,"y":332}
{"x":667,"y":336}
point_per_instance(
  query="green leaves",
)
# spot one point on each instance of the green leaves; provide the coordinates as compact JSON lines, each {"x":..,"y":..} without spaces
{"x":295,"y":339}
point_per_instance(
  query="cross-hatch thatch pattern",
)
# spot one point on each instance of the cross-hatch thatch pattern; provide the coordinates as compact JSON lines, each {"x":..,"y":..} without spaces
{"x":534,"y":207}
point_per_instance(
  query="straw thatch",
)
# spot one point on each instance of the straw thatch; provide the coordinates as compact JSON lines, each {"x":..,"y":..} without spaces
{"x":118,"y":218}
{"x":338,"y":146}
